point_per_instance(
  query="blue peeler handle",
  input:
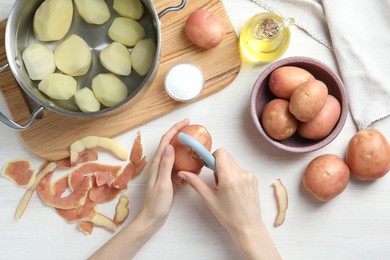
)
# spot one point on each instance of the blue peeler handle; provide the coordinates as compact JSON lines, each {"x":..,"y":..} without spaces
{"x":207,"y":157}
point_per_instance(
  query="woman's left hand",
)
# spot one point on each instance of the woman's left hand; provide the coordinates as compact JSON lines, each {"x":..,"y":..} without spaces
{"x":160,"y":189}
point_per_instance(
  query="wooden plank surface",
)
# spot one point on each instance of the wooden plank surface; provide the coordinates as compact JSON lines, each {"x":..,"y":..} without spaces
{"x":50,"y":137}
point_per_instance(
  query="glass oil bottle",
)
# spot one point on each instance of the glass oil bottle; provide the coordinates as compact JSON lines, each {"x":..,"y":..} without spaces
{"x":265,"y":37}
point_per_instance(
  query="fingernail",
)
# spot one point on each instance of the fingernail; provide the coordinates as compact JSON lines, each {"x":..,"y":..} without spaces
{"x":182,"y":176}
{"x":168,"y":149}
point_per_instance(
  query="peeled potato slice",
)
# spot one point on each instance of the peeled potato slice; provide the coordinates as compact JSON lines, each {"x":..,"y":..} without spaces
{"x":116,"y":58}
{"x":93,"y":11}
{"x":142,"y":56}
{"x":109,"y":89}
{"x":73,"y":56}
{"x":129,"y":8}
{"x":58,"y":86}
{"x":126,"y":31}
{"x":52,"y":19}
{"x":86,"y":100}
{"x":39,"y":61}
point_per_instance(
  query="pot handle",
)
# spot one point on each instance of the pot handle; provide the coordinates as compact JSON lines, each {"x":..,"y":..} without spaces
{"x":8,"y":122}
{"x":173,"y":8}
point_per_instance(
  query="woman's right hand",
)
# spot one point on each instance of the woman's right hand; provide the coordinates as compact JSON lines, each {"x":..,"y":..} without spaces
{"x":235,"y":203}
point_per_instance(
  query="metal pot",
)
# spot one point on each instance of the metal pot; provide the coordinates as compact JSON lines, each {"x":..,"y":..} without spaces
{"x":19,"y":34}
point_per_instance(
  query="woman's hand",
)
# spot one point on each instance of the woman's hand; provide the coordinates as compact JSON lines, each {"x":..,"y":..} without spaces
{"x":160,"y":189}
{"x":236,"y":205}
{"x":155,"y":208}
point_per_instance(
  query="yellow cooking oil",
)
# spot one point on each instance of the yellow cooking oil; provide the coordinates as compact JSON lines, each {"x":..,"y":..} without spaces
{"x":265,"y":37}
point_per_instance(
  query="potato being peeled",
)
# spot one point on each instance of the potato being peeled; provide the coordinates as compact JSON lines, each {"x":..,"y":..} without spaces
{"x":204,"y":29}
{"x":73,"y":56}
{"x":109,"y":89}
{"x":142,"y":56}
{"x":284,"y":80}
{"x":185,"y":158}
{"x":116,"y":59}
{"x":308,"y":99}
{"x":58,"y":86}
{"x":126,"y":31}
{"x":326,"y":176}
{"x":93,"y":11}
{"x":53,"y":19}
{"x":368,"y":155}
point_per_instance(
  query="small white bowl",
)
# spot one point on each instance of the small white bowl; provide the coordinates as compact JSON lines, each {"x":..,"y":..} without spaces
{"x":184,"y":81}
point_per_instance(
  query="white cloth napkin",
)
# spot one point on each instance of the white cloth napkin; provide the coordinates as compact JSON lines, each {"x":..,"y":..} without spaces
{"x":359,"y":31}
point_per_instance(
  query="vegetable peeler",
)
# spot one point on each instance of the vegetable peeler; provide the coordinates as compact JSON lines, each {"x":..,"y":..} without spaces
{"x":207,"y":157}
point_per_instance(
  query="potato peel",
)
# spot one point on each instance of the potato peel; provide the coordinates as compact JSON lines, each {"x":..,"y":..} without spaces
{"x":46,"y":168}
{"x":136,"y":150}
{"x":94,"y":142}
{"x":85,"y":227}
{"x":121,"y":210}
{"x":281,"y":196}
{"x":103,"y":221}
{"x":83,"y":170}
{"x":103,"y":194}
{"x":82,"y":213}
{"x":90,"y":184}
{"x":19,"y":172}
{"x":73,"y":200}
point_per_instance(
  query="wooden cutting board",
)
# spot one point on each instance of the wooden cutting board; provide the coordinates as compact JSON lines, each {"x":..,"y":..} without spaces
{"x":50,"y":136}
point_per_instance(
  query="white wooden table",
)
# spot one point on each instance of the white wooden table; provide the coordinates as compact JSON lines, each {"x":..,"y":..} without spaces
{"x":355,"y":225}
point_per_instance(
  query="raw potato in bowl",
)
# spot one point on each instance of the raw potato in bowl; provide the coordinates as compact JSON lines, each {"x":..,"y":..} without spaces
{"x":116,"y":58}
{"x":93,"y":11}
{"x":308,"y":99}
{"x":53,"y":19}
{"x":126,"y":31}
{"x":58,"y":86}
{"x":132,"y":9}
{"x":323,"y":123}
{"x":143,"y":55}
{"x":86,"y":100}
{"x":109,"y":89}
{"x":39,"y":61}
{"x":284,"y":80}
{"x":73,"y":55}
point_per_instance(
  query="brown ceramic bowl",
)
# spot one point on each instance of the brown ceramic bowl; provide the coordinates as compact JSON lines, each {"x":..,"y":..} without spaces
{"x":261,"y":95}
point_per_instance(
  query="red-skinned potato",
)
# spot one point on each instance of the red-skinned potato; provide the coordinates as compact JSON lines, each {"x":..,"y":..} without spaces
{"x":284,"y":80}
{"x":277,"y":120}
{"x":185,"y":158}
{"x":204,"y":29}
{"x":321,"y":125}
{"x":368,"y":155}
{"x":326,"y":176}
{"x":308,"y":99}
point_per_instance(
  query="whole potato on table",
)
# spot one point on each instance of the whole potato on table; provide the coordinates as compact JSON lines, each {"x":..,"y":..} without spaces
{"x":308,"y":99}
{"x":277,"y":120}
{"x":368,"y":155}
{"x":204,"y":29}
{"x":326,"y":176}
{"x":284,"y":80}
